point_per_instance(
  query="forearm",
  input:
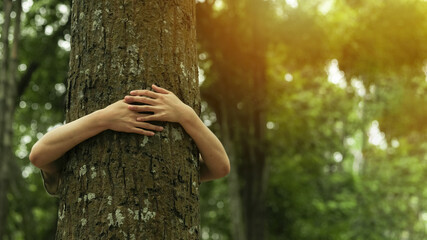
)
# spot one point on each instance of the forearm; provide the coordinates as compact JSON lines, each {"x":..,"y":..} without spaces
{"x":215,"y":163}
{"x":166,"y":106}
{"x":57,"y":142}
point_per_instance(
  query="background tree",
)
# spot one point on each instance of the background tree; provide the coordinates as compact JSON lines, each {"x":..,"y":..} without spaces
{"x":8,"y":92}
{"x":118,"y":185}
{"x":325,"y":121}
{"x":344,"y":112}
{"x":240,"y":106}
{"x":41,"y":27}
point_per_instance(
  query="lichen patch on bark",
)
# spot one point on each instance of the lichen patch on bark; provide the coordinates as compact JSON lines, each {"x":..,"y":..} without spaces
{"x":126,"y":184}
{"x":83,"y":170}
{"x":176,"y":134}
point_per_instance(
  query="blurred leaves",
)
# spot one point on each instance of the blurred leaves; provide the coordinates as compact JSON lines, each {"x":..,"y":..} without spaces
{"x":331,"y":175}
{"x":40,"y":107}
{"x":328,"y":178}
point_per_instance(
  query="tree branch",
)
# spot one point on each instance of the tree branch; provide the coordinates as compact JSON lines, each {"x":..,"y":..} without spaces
{"x":15,"y":47}
{"x":26,"y":78}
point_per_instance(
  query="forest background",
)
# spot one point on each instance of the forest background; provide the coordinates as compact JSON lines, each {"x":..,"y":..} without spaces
{"x":339,"y":87}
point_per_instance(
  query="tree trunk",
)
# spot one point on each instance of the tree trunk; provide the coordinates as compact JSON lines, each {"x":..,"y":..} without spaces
{"x":8,"y":99}
{"x":6,"y":142}
{"x":243,"y":135}
{"x":236,"y":208}
{"x":126,"y":186}
{"x":240,"y":65}
{"x":256,"y":170}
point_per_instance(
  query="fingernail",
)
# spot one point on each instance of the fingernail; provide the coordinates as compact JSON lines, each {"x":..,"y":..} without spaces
{"x":132,"y":92}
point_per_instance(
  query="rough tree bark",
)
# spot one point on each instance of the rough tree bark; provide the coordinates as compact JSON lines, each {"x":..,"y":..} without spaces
{"x":126,"y":186}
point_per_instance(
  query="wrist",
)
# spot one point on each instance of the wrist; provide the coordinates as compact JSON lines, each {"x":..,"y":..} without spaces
{"x":100,"y":120}
{"x":189,"y":116}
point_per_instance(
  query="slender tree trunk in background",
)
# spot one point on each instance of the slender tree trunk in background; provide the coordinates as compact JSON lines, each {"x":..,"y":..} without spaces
{"x":252,"y":176}
{"x":256,"y":177}
{"x":236,"y":207}
{"x":5,"y":119}
{"x":238,"y":55}
{"x":8,"y":99}
{"x":257,"y":172}
{"x":127,"y":186}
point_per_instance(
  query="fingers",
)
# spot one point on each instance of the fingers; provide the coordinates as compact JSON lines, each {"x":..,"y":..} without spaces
{"x":143,"y":108}
{"x":150,"y":117}
{"x":146,"y":100}
{"x":143,"y":115}
{"x":159,"y":89}
{"x":149,"y":126}
{"x":143,"y":127}
{"x":147,"y":93}
{"x":142,"y":131}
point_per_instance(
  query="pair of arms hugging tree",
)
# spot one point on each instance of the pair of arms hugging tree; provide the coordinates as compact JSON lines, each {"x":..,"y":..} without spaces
{"x":121,"y":116}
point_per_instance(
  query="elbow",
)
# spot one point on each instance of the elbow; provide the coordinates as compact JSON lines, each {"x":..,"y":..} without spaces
{"x":34,"y":158}
{"x":217,"y":168}
{"x":225,"y":169}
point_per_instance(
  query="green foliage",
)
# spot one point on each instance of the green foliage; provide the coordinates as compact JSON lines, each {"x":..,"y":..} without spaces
{"x":32,"y":213}
{"x":389,"y":37}
{"x":329,"y":178}
{"x":332,"y":175}
{"x":214,"y":208}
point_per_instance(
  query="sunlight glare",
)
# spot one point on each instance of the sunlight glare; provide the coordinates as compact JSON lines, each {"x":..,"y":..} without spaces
{"x":358,"y":86}
{"x":65,"y":12}
{"x":288,"y":77}
{"x":48,"y":30}
{"x":376,"y":137}
{"x":337,"y":157}
{"x":26,"y":5}
{"x":292,"y":3}
{"x":218,"y":5}
{"x":326,"y":6}
{"x":335,"y":75}
{"x":425,"y":69}
{"x":395,"y":143}
{"x":65,"y":44}
{"x":270,"y":125}
{"x":28,"y":170}
{"x":202,"y":76}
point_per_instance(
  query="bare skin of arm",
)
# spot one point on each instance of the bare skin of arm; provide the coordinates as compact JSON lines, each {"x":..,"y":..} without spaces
{"x":167,"y":107}
{"x":122,"y":117}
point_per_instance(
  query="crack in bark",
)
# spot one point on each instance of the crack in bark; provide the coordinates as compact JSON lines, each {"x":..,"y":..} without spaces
{"x":165,"y":168}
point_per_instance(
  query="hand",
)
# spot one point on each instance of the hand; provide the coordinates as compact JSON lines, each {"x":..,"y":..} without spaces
{"x":164,"y":105}
{"x":120,"y":118}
